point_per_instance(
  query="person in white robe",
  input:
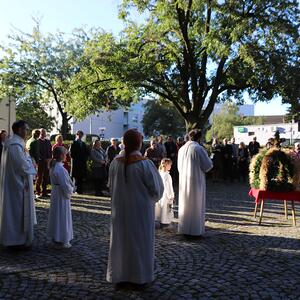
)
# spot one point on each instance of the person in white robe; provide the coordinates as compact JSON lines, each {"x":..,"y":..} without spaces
{"x":193,"y":163}
{"x":135,"y":186}
{"x":60,"y":226}
{"x":163,"y":208}
{"x":17,"y":208}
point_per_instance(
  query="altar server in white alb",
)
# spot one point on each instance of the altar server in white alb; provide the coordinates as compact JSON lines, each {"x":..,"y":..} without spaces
{"x":17,"y":211}
{"x":193,"y":163}
{"x":60,"y":227}
{"x":136,"y":186}
{"x":163,"y":208}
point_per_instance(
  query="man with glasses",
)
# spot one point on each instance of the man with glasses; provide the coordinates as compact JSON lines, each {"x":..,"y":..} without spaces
{"x":17,"y":212}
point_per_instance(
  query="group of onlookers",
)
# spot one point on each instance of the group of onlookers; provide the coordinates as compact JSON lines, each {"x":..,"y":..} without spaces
{"x":159,"y":150}
{"x":231,"y":161}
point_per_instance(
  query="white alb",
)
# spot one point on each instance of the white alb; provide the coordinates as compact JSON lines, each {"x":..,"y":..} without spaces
{"x":17,"y":210}
{"x":60,"y":227}
{"x":163,"y":208}
{"x":193,"y":163}
{"x":131,"y":254}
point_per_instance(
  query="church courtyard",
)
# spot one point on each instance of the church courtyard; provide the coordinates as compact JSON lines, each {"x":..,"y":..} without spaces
{"x":236,"y":259}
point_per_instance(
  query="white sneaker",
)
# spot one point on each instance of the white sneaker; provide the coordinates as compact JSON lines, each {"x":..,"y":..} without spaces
{"x":67,"y":246}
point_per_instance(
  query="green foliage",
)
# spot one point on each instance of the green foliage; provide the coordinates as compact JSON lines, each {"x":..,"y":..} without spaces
{"x":163,"y":119}
{"x":255,"y":169}
{"x":40,"y":67}
{"x":193,"y":53}
{"x":222,"y":123}
{"x":33,"y":113}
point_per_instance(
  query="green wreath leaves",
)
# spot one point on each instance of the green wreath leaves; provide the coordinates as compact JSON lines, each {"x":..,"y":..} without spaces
{"x":273,"y":170}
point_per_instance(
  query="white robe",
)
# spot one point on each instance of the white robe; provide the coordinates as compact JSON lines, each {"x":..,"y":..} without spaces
{"x":60,"y":226}
{"x":193,"y":163}
{"x":131,"y":255}
{"x":17,"y":210}
{"x":163,"y":212}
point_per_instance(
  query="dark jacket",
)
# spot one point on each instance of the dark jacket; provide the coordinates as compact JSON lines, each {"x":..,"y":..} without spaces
{"x":171,"y":150}
{"x":253,"y":148}
{"x":79,"y":156}
{"x":33,"y":146}
{"x":112,"y":152}
{"x":45,"y":150}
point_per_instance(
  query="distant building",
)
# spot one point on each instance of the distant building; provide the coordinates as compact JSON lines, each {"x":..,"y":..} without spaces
{"x":288,"y":131}
{"x":112,"y":123}
{"x":276,"y":119}
{"x":7,"y":113}
{"x":105,"y":124}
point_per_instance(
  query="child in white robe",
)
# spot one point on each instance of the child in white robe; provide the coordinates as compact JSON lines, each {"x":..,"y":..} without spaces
{"x":60,"y":227}
{"x":163,"y":208}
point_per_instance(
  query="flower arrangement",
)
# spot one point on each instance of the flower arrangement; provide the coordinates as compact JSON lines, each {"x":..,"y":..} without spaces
{"x":274,"y":170}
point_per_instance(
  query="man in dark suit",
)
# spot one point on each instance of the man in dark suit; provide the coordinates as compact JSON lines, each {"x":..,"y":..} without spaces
{"x":44,"y":156}
{"x":79,"y":155}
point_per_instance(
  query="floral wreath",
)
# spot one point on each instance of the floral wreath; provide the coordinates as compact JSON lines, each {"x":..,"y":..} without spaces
{"x":273,"y":170}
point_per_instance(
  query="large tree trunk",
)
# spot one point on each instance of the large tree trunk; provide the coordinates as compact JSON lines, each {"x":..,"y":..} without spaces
{"x":65,"y":125}
{"x":193,"y":121}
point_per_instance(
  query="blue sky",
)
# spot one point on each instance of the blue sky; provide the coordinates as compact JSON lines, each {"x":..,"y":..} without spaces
{"x":64,"y":15}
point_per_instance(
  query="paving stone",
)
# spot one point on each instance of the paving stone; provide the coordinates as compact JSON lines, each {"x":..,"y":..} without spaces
{"x":236,"y":258}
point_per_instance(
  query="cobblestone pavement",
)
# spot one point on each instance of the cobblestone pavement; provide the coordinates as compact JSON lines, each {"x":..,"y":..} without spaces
{"x":236,"y":259}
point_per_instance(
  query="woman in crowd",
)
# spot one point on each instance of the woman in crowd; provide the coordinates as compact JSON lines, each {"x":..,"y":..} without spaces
{"x":135,"y":186}
{"x":217,"y":159}
{"x":153,"y":153}
{"x":163,"y":208}
{"x":99,"y":159}
{"x":60,"y":228}
{"x":59,"y":143}
{"x":243,"y":161}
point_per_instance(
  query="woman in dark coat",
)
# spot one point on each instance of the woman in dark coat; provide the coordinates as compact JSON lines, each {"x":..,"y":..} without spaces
{"x":99,"y":160}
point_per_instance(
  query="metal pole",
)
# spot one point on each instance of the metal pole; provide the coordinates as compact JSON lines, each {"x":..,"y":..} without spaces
{"x":91,"y":125}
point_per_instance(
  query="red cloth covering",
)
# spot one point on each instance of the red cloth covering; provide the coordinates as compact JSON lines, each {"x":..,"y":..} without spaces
{"x":261,"y":194}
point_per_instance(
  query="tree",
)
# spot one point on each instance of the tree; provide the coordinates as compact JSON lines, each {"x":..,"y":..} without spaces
{"x":193,"y":53}
{"x":34,"y":114}
{"x":223,"y":122}
{"x":162,"y":118}
{"x":40,"y":67}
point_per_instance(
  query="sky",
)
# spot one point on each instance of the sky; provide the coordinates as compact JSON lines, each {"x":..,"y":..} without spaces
{"x":65,"y":15}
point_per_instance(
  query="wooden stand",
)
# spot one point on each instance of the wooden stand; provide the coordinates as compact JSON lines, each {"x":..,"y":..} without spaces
{"x":261,"y":212}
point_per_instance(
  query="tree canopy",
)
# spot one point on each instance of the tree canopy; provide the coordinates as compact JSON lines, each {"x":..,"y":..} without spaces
{"x":161,"y":118}
{"x":223,"y":122}
{"x":34,"y":114}
{"x":40,"y":67}
{"x":193,"y":53}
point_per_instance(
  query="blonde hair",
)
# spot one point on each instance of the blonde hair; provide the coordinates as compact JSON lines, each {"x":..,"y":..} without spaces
{"x":164,"y":162}
{"x":57,"y":137}
{"x":56,"y":155}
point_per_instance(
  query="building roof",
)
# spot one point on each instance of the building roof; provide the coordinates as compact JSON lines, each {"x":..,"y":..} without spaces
{"x":279,"y":119}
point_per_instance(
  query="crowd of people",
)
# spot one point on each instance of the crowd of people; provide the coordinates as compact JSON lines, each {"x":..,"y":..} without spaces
{"x":231,"y":160}
{"x":140,"y":181}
